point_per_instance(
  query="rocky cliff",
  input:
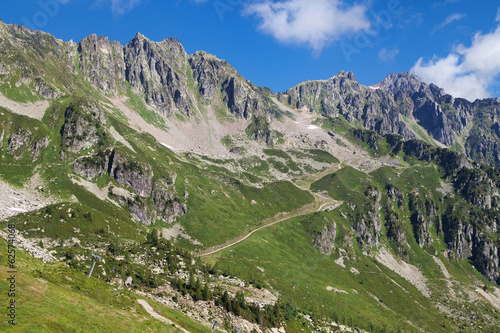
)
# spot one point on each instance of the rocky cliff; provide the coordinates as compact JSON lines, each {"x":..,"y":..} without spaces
{"x":170,"y":81}
{"x":393,"y":105}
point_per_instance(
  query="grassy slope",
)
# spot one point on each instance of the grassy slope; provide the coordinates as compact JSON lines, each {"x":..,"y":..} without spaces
{"x":297,"y":270}
{"x":219,"y":206}
{"x":54,"y":297}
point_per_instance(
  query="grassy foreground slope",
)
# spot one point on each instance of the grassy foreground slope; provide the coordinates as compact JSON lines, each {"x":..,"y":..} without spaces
{"x":56,"y":298}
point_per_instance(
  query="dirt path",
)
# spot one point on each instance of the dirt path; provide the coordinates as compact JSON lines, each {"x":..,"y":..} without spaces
{"x":155,"y":315}
{"x":304,"y":210}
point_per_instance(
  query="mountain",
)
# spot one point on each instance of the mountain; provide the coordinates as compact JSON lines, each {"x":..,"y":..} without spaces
{"x":327,"y":207}
{"x":403,"y":104}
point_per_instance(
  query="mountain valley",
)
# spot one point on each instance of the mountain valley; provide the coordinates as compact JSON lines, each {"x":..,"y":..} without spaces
{"x":330,"y":207}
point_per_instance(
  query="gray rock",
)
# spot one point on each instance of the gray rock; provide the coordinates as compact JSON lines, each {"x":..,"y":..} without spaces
{"x":325,"y":242}
{"x":102,"y":63}
{"x":129,"y":281}
{"x":138,"y":176}
{"x":18,"y":143}
{"x":38,"y":147}
{"x":82,"y":127}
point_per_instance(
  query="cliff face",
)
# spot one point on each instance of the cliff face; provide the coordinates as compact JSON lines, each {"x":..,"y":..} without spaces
{"x":167,"y":77}
{"x":102,"y":63}
{"x":391,"y":105}
{"x":342,"y":95}
{"x":83,"y":128}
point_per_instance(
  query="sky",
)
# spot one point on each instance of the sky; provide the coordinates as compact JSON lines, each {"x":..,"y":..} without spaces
{"x":280,"y":43}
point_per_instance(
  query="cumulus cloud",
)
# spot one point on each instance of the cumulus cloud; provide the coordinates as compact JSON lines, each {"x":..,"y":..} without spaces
{"x":466,"y":72}
{"x":450,"y":19}
{"x":388,"y":55}
{"x":314,"y":23}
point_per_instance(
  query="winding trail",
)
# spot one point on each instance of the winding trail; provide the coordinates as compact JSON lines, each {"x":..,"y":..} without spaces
{"x":149,"y":309}
{"x":329,"y":204}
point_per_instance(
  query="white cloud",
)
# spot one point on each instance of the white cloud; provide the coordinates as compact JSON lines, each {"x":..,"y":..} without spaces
{"x":119,"y":7}
{"x":314,"y":23}
{"x":388,"y":55}
{"x":450,"y":19}
{"x":498,"y":15}
{"x":465,"y":72}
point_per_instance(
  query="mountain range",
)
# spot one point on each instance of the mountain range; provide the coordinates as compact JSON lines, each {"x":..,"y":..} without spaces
{"x":328,"y":206}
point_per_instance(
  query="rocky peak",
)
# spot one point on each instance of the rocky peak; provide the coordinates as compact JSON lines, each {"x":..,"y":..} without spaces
{"x":102,"y":63}
{"x":208,"y":73}
{"x":406,"y":83}
{"x":158,"y":71}
{"x":344,"y":75}
{"x":175,"y":47}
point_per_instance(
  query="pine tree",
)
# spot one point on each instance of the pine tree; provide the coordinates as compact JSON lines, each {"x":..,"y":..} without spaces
{"x":197,"y":292}
{"x":207,"y":294}
{"x":226,"y":302}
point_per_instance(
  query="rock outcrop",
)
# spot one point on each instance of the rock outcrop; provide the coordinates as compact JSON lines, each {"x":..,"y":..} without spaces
{"x":83,"y":127}
{"x":325,"y":241}
{"x":138,"y":176}
{"x":18,"y":143}
{"x":368,"y":222}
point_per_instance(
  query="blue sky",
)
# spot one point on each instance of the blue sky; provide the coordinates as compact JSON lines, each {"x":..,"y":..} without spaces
{"x":453,"y":43}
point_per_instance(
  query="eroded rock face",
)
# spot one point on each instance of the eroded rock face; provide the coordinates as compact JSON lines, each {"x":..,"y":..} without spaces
{"x":342,"y":95}
{"x":102,"y":63}
{"x":18,"y":143}
{"x":168,"y":205}
{"x":487,"y":260}
{"x":325,"y":241}
{"x":45,"y":90}
{"x":369,"y":223}
{"x":92,"y":167}
{"x":38,"y":147}
{"x":138,"y":176}
{"x":83,"y":127}
{"x":158,"y":71}
{"x":423,"y":212}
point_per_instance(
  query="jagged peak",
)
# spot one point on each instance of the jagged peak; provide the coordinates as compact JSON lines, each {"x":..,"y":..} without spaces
{"x":392,"y":77}
{"x":140,"y":36}
{"x":95,"y":37}
{"x":406,"y":81}
{"x":202,"y":55}
{"x":343,"y":74}
{"x":171,"y":40}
